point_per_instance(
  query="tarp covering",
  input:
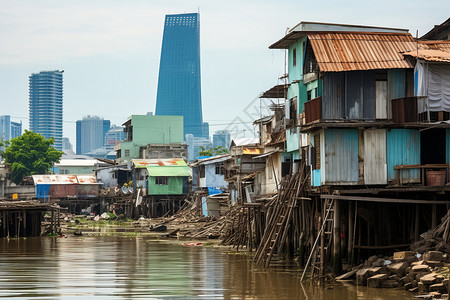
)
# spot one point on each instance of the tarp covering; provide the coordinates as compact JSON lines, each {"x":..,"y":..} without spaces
{"x":433,"y":81}
{"x":214,"y":191}
{"x":42,"y":191}
{"x":165,"y":171}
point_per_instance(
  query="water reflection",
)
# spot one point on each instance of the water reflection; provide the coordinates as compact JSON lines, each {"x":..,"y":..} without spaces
{"x":125,"y":268}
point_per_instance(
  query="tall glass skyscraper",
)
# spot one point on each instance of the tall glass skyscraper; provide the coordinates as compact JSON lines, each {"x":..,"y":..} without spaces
{"x":179,"y":88}
{"x":46,"y":105}
{"x":91,"y":131}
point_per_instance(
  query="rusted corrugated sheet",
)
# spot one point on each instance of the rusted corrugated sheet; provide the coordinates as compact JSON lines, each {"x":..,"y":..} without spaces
{"x":63,"y":191}
{"x":438,"y":51}
{"x":337,"y":52}
{"x":375,"y":168}
{"x":339,"y":152}
{"x":87,"y":190}
{"x":87,"y":179}
{"x":55,"y":179}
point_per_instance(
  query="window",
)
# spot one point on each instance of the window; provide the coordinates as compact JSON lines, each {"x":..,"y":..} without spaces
{"x":127,"y":153}
{"x":294,"y":57}
{"x":201,"y":171}
{"x":63,"y":171}
{"x":161,"y":181}
{"x":219,"y":169}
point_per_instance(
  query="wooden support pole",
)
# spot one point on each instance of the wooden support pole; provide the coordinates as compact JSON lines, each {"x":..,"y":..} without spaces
{"x":337,"y":259}
{"x":433,"y":216}
{"x":416,"y":224}
{"x":24,"y":218}
{"x":350,"y":233}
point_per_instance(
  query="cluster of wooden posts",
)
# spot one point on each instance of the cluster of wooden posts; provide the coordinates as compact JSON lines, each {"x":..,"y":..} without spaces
{"x":24,"y":218}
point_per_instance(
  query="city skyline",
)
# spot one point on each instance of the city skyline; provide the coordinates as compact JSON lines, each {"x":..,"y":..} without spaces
{"x":111,"y":56}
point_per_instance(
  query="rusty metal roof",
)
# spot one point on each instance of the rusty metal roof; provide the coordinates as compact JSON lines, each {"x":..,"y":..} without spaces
{"x":433,"y":51}
{"x":337,"y":52}
{"x":278,"y":91}
{"x":165,"y":162}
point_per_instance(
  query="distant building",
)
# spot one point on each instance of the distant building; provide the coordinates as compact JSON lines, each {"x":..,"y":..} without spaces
{"x":114,"y":136}
{"x":66,"y":144}
{"x":91,"y":131}
{"x":46,"y":105}
{"x":142,"y":130}
{"x":221,"y":139}
{"x":8,"y":129}
{"x":179,"y":84}
{"x":194,"y":146}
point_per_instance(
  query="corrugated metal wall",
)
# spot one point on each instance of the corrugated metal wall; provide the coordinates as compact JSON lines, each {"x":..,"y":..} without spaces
{"x":341,"y":156}
{"x":403,"y":148}
{"x":375,"y":168}
{"x":333,"y":96}
{"x":350,"y":95}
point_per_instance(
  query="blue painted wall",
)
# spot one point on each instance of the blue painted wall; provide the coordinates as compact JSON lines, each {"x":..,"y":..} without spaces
{"x":403,"y":148}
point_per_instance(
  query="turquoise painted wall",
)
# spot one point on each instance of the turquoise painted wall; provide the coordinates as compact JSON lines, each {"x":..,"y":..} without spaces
{"x":174,"y":186}
{"x":157,"y":129}
{"x":152,"y":130}
{"x":403,"y":148}
{"x":292,"y":139}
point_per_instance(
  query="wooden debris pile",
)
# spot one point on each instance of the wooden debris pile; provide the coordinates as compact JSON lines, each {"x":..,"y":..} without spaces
{"x":435,"y":239}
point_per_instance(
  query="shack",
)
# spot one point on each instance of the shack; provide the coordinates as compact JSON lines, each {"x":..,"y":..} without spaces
{"x":163,"y":182}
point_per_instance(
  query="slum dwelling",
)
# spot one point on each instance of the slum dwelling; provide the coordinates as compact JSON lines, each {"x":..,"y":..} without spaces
{"x":374,"y":142}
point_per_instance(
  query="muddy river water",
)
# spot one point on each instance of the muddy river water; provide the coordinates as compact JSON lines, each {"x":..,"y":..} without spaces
{"x":140,"y":268}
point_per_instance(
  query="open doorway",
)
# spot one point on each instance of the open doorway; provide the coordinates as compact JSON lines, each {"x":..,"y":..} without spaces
{"x":432,"y":146}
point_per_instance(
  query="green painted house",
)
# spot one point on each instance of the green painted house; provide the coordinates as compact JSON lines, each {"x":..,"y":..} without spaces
{"x":162,"y":176}
{"x":142,"y":130}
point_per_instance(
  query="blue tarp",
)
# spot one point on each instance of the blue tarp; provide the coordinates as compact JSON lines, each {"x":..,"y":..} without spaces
{"x":213,"y":191}
{"x":42,"y":190}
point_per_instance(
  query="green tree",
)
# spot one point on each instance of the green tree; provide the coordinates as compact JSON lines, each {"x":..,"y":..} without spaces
{"x":30,"y":154}
{"x":213,"y":151}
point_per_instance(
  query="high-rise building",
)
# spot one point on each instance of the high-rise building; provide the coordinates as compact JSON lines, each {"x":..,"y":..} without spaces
{"x":46,"y":105}
{"x":8,"y":129}
{"x":195,"y":145}
{"x":91,"y":131}
{"x":114,"y":136}
{"x":222,"y":139}
{"x":179,"y":88}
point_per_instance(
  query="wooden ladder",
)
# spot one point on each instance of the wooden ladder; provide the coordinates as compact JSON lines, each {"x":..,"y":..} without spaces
{"x":278,"y":223}
{"x":322,"y":243}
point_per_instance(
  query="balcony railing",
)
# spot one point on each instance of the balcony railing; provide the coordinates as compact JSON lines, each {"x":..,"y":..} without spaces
{"x":405,"y":110}
{"x":313,"y":110}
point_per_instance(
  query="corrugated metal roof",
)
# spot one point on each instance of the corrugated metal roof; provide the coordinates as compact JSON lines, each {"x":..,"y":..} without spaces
{"x":438,"y":51}
{"x":337,"y":52}
{"x":55,"y":179}
{"x":168,"y":162}
{"x":87,"y":179}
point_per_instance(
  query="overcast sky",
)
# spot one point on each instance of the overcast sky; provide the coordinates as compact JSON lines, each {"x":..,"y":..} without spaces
{"x":110,"y":50}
